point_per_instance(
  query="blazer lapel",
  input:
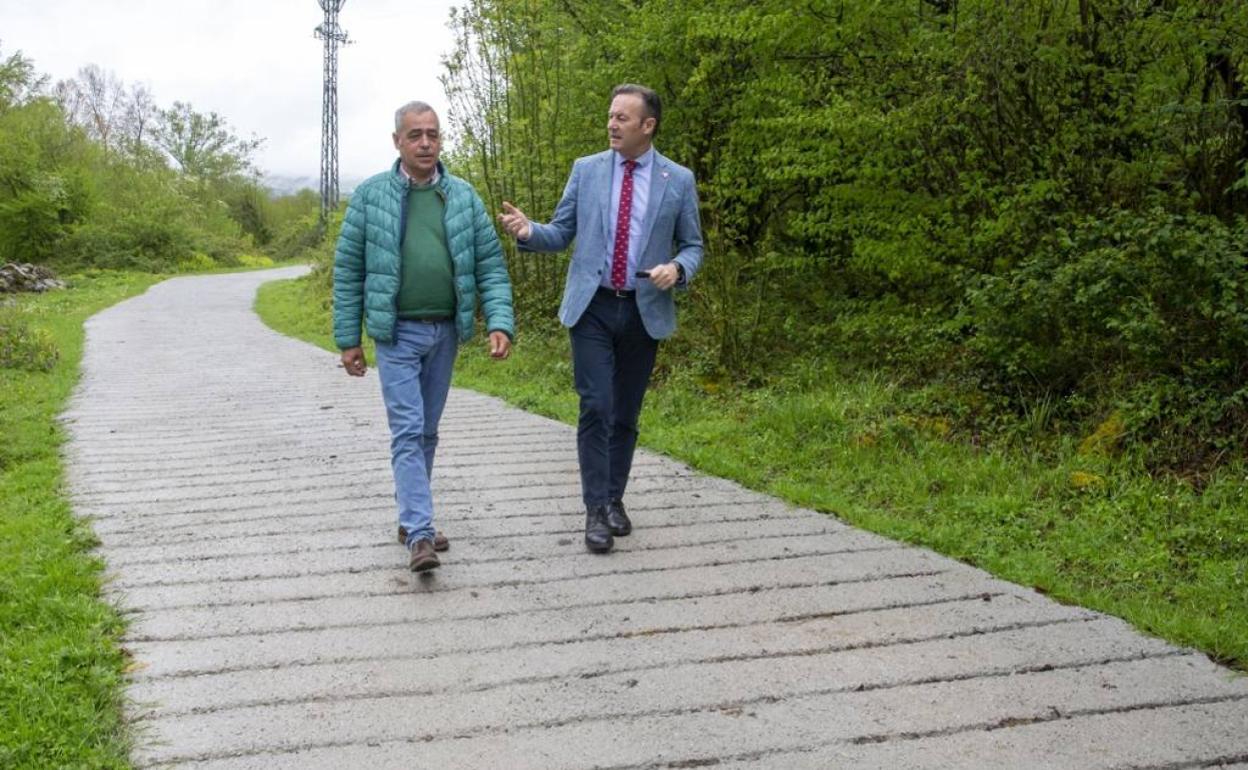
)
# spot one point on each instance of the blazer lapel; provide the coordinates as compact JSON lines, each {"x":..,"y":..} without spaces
{"x":604,"y":187}
{"x":658,"y":185}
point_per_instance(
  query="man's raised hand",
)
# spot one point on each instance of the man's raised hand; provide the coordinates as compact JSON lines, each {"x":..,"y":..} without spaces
{"x":515,"y":222}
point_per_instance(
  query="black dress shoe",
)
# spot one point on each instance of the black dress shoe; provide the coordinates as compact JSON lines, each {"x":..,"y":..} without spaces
{"x":597,"y":534}
{"x":617,"y":519}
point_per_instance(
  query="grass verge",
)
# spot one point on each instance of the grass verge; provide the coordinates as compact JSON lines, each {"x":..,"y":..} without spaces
{"x":61,"y":667}
{"x":1086,"y":528}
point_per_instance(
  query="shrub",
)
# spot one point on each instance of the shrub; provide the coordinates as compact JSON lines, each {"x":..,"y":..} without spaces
{"x":197,"y":263}
{"x":23,"y":346}
{"x":1148,"y":307}
{"x":254,"y":260}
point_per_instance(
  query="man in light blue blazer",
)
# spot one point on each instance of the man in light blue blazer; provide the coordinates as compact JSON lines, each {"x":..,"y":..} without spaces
{"x":634,"y":217}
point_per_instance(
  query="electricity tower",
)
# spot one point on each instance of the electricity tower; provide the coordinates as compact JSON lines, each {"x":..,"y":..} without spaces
{"x":332,"y":34}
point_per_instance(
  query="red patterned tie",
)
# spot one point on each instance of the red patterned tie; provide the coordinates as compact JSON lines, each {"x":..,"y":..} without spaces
{"x":619,"y":257}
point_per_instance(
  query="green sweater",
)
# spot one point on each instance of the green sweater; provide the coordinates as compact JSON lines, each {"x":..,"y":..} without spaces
{"x":368,"y":260}
{"x":427,"y":281}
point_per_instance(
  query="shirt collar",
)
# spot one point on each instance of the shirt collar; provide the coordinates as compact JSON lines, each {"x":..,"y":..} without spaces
{"x":642,"y":159}
{"x":437,"y":174}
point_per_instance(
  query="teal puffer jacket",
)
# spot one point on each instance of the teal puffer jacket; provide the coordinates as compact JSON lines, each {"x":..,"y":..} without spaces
{"x":367,"y":260}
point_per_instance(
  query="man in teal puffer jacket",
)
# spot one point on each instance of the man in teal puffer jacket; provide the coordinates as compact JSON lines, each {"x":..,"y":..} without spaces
{"x":415,"y":251}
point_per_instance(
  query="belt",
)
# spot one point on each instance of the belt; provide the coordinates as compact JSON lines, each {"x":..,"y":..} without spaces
{"x":433,"y":320}
{"x":618,"y":293}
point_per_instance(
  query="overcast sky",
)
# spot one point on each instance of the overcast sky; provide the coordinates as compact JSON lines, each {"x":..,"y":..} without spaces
{"x":254,"y":62}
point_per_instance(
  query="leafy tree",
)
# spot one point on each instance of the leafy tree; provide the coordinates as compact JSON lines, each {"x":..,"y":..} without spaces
{"x":203,"y":145}
{"x":95,"y":100}
{"x":1040,"y":199}
{"x":83,"y":181}
{"x":18,"y":81}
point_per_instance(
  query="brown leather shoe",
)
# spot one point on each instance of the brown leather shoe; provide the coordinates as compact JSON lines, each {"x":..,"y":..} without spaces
{"x":423,"y":557}
{"x":440,"y":541}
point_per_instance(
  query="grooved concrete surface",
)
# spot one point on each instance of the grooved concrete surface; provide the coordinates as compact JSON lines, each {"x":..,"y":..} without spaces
{"x":240,"y":484}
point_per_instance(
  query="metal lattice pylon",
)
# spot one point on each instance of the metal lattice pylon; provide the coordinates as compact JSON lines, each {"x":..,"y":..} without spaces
{"x":332,"y":34}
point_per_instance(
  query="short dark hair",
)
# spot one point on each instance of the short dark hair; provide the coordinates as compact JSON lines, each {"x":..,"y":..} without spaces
{"x":654,"y":108}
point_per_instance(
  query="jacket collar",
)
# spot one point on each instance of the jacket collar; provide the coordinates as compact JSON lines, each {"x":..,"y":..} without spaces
{"x":399,"y":180}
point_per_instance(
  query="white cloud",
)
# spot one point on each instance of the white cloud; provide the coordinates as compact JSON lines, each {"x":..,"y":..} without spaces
{"x":255,"y":62}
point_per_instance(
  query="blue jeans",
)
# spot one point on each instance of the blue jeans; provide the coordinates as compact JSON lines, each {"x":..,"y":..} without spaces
{"x":415,"y":372}
{"x":612,"y":357}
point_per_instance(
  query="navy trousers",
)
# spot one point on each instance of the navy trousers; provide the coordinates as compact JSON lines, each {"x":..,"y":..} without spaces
{"x":612,"y":358}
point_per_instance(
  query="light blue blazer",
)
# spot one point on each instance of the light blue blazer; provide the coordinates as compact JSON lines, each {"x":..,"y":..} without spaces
{"x":671,"y":230}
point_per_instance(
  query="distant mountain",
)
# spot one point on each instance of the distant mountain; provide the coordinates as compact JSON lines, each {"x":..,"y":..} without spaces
{"x":289,"y":184}
{"x":286,"y":184}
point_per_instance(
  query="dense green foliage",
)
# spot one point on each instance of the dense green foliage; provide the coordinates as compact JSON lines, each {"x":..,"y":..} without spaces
{"x":95,"y":175}
{"x":1038,"y":204}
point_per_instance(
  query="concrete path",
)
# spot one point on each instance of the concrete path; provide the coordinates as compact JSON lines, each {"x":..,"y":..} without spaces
{"x":240,"y":484}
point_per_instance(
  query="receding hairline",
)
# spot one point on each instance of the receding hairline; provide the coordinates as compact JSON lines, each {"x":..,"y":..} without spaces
{"x":650,"y":101}
{"x":418,"y":108}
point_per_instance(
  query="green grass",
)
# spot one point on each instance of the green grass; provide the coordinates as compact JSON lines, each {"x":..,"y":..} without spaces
{"x":61,"y":667}
{"x":1090,"y":530}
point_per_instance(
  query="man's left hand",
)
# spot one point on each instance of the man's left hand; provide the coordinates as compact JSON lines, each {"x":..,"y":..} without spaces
{"x":664,"y":276}
{"x":500,"y":345}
